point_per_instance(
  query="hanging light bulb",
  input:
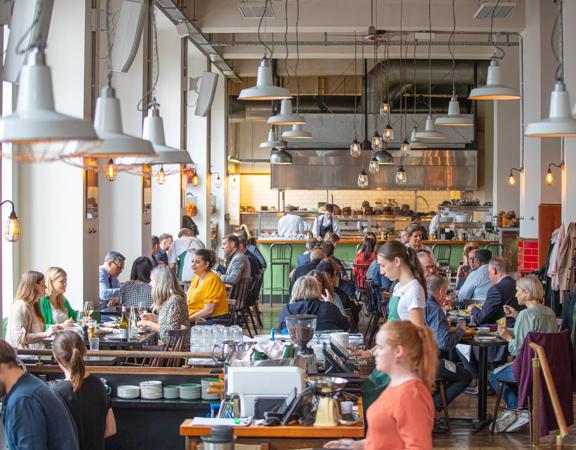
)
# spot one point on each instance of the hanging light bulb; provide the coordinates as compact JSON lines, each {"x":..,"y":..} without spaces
{"x":385,"y":108}
{"x":264,"y":89}
{"x":12,"y":228}
{"x":388,"y":133}
{"x":494,"y":89}
{"x":373,"y":166}
{"x":161,"y":176}
{"x":405,"y":147}
{"x":355,"y":148}
{"x":401,"y":177}
{"x":376,"y":141}
{"x":218,"y":182}
{"x":110,"y":170}
{"x":363,"y":180}
{"x":195,"y":179}
{"x":549,"y":179}
{"x":512,"y":179}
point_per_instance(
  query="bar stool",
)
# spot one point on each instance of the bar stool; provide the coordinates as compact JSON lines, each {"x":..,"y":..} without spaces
{"x":280,"y":256}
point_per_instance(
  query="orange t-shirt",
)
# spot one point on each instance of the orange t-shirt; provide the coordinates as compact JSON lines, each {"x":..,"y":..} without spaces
{"x":401,"y":418}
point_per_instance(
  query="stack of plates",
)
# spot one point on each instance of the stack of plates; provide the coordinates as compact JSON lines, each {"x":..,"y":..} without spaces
{"x":190,"y":391}
{"x":206,"y":385}
{"x":151,"y":390}
{"x":128,"y":392}
{"x":173,"y":391}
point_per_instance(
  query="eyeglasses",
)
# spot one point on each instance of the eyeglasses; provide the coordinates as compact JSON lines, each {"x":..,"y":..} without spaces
{"x":430,"y":267}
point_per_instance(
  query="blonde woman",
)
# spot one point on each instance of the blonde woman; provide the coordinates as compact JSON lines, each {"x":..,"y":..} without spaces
{"x":403,"y":415}
{"x":55,"y":308}
{"x":25,"y":322}
{"x":170,"y":308}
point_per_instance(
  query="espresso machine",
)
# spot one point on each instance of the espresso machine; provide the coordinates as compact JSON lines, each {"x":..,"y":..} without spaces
{"x":301,"y":328}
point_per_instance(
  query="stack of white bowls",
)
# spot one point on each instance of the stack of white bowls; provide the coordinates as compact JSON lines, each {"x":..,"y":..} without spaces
{"x":190,"y":391}
{"x":128,"y":392}
{"x":151,"y":390}
{"x":205,"y":386}
{"x":172,"y":391}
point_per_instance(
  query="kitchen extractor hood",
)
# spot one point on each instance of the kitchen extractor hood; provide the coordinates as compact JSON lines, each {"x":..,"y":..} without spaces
{"x":335,"y":169}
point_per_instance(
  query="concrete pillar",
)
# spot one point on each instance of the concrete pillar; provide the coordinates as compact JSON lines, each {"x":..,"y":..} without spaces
{"x":166,"y":197}
{"x":218,"y":154}
{"x":198,"y":145}
{"x":50,"y":195}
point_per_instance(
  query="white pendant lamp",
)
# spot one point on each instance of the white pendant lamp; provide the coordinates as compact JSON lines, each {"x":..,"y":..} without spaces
{"x":264,"y":89}
{"x":430,"y":133}
{"x":494,"y":89}
{"x":153,"y":131}
{"x":272,"y":141}
{"x":454,"y":118}
{"x":297,"y":132}
{"x":414,"y":142}
{"x":36,"y":130}
{"x":116,"y":144}
{"x":280,"y":157}
{"x":559,"y":123}
{"x":286,"y":116}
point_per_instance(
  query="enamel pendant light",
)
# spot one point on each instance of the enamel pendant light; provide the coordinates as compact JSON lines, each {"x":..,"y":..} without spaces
{"x":36,"y":130}
{"x":272,"y":141}
{"x":286,"y":116}
{"x":494,"y":89}
{"x":430,"y":133}
{"x":264,"y":89}
{"x":414,"y":142}
{"x":297,"y":132}
{"x":454,"y":118}
{"x":383,"y":157}
{"x":559,"y":123}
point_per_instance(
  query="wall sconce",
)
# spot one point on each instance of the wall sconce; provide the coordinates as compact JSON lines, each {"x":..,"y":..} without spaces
{"x":111,"y":170}
{"x":161,"y":176}
{"x":12,"y":229}
{"x":512,"y":178}
{"x":549,"y":178}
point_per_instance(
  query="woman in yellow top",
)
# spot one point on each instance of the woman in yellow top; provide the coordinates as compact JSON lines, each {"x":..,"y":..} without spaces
{"x":207,"y":294}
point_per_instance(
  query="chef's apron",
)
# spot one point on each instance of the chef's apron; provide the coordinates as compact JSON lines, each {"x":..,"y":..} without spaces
{"x":378,"y":381}
{"x":324,"y":229}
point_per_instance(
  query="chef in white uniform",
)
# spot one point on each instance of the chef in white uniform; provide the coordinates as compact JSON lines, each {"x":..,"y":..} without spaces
{"x":291,"y":225}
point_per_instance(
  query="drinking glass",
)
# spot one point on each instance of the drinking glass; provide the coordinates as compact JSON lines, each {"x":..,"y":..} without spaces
{"x":94,"y":343}
{"x":195,"y":336}
{"x":205,"y":341}
{"x":87,"y":311}
{"x":218,"y":334}
{"x":236,"y":333}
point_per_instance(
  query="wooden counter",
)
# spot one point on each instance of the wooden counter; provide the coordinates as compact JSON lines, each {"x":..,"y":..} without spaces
{"x":279,"y":437}
{"x":359,"y":241}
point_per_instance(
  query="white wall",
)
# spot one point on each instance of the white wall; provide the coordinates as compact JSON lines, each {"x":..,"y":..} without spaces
{"x":569,"y":175}
{"x":166,"y":197}
{"x":50,"y":202}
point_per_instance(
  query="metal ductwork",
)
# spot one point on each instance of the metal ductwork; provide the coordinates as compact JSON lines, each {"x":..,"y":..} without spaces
{"x":336,"y":169}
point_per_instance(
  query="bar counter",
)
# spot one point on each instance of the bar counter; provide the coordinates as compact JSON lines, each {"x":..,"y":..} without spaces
{"x":345,"y":251}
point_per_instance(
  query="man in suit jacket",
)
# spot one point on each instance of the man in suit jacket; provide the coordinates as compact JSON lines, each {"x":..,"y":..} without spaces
{"x":503,"y":292}
{"x":238,"y":265}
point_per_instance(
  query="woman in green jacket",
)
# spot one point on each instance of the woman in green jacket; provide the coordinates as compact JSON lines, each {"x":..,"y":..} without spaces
{"x":55,"y":308}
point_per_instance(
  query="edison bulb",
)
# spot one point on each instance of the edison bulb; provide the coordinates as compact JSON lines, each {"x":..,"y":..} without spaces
{"x":355,"y":148}
{"x":549,"y":179}
{"x":385,"y":109}
{"x":161,"y":176}
{"x":363,"y":180}
{"x":401,"y":178}
{"x":111,"y":170}
{"x":218,"y":182}
{"x":373,"y":166}
{"x":12,"y":229}
{"x":388,"y":133}
{"x":376,"y":141}
{"x":405,"y":147}
{"x":512,"y":180}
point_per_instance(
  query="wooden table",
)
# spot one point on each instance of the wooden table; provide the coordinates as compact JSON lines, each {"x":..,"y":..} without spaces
{"x":144,"y":339}
{"x":279,"y":437}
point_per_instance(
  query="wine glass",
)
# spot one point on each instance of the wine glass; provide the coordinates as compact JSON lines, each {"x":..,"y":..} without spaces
{"x":142,"y":308}
{"x":87,"y":311}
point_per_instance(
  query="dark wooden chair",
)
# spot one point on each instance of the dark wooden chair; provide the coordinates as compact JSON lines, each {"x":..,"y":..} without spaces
{"x":374,"y":311}
{"x":441,"y":388}
{"x":176,"y":343}
{"x":238,"y":302}
{"x":254,"y":300}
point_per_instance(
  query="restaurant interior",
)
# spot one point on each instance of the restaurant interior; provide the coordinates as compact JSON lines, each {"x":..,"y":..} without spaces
{"x":290,"y":224}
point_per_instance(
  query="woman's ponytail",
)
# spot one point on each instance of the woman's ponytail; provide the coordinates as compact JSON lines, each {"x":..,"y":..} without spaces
{"x":416,"y":268}
{"x":69,"y":350}
{"x":428,"y":362}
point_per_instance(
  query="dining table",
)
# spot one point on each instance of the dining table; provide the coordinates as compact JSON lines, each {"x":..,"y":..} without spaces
{"x":483,"y":343}
{"x":113,"y":341}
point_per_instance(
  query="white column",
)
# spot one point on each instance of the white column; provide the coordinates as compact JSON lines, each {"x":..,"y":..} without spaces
{"x":218,"y":151}
{"x":539,"y":66}
{"x":166,"y":197}
{"x":121,"y":201}
{"x":197,"y":144}
{"x":50,"y":195}
{"x":569,"y":175}
{"x":506,"y":136}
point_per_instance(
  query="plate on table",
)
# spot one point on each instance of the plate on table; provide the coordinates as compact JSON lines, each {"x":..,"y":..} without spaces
{"x":352,"y":421}
{"x":486,"y":338}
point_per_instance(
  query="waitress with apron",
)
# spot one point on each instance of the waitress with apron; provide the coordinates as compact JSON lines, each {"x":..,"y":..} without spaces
{"x":326,"y":223}
{"x":398,"y":262}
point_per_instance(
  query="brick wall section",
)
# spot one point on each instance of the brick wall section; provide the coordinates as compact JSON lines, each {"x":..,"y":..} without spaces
{"x":255,"y":191}
{"x":527,"y":255}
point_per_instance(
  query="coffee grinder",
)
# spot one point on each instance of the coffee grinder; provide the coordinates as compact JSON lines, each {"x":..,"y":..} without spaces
{"x":301,"y":328}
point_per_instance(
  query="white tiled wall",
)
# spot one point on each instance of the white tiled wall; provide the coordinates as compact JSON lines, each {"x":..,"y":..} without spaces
{"x":255,"y":191}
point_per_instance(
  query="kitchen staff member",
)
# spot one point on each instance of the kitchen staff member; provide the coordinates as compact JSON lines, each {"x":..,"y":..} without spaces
{"x":325,"y":223}
{"x":291,"y":224}
{"x":435,"y":222}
